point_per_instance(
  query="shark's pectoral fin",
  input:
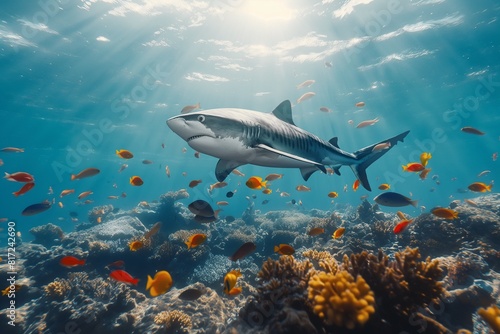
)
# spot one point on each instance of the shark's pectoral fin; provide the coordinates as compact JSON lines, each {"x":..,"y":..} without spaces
{"x":305,"y":171}
{"x":224,"y":168}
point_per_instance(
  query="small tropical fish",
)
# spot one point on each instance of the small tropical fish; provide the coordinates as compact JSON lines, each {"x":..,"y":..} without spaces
{"x":413,"y":167}
{"x":222,"y":203}
{"x":284,"y":194}
{"x":255,"y":182}
{"x":316,"y":231}
{"x":424,"y":158}
{"x":230,"y":280}
{"x":423,"y":174}
{"x":197,"y":155}
{"x":194,"y":183}
{"x":122,"y":168}
{"x":135,"y":245}
{"x":445,"y":213}
{"x":471,"y":202}
{"x":190,"y":294}
{"x":471,"y":130}
{"x":402,"y":225}
{"x":19,"y":177}
{"x":124,"y":277}
{"x":217,"y":185}
{"x":381,"y":147}
{"x":494,"y":156}
{"x":284,"y":249}
{"x":401,"y":215}
{"x":99,"y":219}
{"x":480,"y":187}
{"x":202,"y":208}
{"x":61,"y":205}
{"x":484,"y":172}
{"x":71,"y":261}
{"x":237,"y":172}
{"x":24,"y":189}
{"x":7,"y":290}
{"x":267,"y":191}
{"x":273,"y":176}
{"x":328,"y":64}
{"x":152,"y":231}
{"x":124,"y":154}
{"x":36,"y":208}
{"x":123,"y":195}
{"x":384,"y":186}
{"x":306,"y":83}
{"x":88,"y":172}
{"x":366,"y":123}
{"x":360,"y":104}
{"x":160,"y":284}
{"x":338,"y":233}
{"x":116,"y":264}
{"x":305,"y":96}
{"x":147,"y":162}
{"x":167,"y":171}
{"x":393,"y":199}
{"x":190,"y":108}
{"x":244,"y":250}
{"x":12,"y":149}
{"x":302,"y":187}
{"x":325,"y":109}
{"x":113,"y":197}
{"x":195,"y":240}
{"x":229,"y":194}
{"x":355,"y":185}
{"x":85,"y":194}
{"x":66,"y":192}
{"x":333,"y":194}
{"x":136,"y":181}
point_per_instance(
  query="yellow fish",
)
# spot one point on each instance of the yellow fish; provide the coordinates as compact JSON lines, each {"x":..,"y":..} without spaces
{"x":160,"y":284}
{"x":424,"y":158}
{"x":230,"y":282}
{"x":338,"y":233}
{"x":333,"y":194}
{"x":135,"y":245}
{"x":196,"y":240}
{"x":384,"y":186}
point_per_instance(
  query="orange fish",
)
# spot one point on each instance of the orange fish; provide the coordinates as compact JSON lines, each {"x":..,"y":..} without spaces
{"x":338,"y":233}
{"x":195,"y":240}
{"x":480,"y":187}
{"x":235,"y":291}
{"x":267,"y":191}
{"x":423,"y":174}
{"x":194,"y":183}
{"x":302,"y":187}
{"x":222,"y":203}
{"x":66,"y":192}
{"x":333,"y":194}
{"x":384,"y":186}
{"x":255,"y":182}
{"x":284,"y":249}
{"x":355,"y":185}
{"x":230,"y":281}
{"x":217,"y":185}
{"x":85,"y":173}
{"x":19,"y":177}
{"x":360,"y":104}
{"x":135,"y":245}
{"x":470,"y":202}
{"x":413,"y":167}
{"x":123,"y":276}
{"x":366,"y":123}
{"x":24,"y":189}
{"x":124,"y":154}
{"x":71,"y":261}
{"x":237,"y":172}
{"x":136,"y":181}
{"x":401,"y":226}
{"x":273,"y":176}
{"x":381,"y":147}
{"x":445,"y":213}
{"x":85,"y":194}
{"x":401,"y":215}
{"x":316,"y":231}
{"x":424,"y":158}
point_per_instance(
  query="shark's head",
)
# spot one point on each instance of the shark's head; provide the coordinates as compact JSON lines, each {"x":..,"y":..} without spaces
{"x":212,"y":132}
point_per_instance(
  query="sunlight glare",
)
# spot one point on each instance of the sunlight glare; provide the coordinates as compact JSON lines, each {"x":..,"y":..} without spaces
{"x":276,"y":10}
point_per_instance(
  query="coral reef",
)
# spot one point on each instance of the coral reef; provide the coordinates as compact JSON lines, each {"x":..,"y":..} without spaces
{"x":324,"y":260}
{"x":57,"y":289}
{"x":47,"y":235}
{"x":492,"y":316}
{"x":174,"y":321}
{"x":340,"y":300}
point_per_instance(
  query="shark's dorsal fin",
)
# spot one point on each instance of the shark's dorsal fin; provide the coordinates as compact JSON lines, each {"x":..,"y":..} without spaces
{"x":224,"y":168}
{"x":334,"y":141}
{"x":284,"y":112}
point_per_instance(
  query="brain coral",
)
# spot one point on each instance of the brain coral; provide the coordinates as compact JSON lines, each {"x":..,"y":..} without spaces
{"x":340,"y":300}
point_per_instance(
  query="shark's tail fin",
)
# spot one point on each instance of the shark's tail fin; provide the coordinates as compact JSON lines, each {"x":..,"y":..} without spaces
{"x":368,"y":155}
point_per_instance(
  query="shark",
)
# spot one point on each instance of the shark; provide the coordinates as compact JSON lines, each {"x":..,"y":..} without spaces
{"x":240,"y":136}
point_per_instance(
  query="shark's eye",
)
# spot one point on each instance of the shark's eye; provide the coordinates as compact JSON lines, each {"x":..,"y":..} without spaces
{"x":201,"y":118}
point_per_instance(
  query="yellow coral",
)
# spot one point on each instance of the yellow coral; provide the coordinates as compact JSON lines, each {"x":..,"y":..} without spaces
{"x":57,"y":289}
{"x":492,"y":317}
{"x":340,"y":300}
{"x":174,"y":320}
{"x":325,"y":260}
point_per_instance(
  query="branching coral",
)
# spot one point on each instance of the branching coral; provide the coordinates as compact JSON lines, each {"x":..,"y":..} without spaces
{"x":492,"y":317}
{"x":174,"y":321}
{"x":324,"y":260}
{"x":340,"y":300}
{"x":57,"y":289}
{"x":287,"y":270}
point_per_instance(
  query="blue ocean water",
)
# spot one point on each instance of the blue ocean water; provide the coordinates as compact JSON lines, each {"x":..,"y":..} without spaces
{"x":83,"y":79}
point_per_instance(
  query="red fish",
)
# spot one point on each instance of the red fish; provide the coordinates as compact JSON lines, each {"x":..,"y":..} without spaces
{"x":24,"y":189}
{"x":123,"y":276}
{"x":19,"y":177}
{"x":71,"y":261}
{"x":402,"y":225}
{"x":116,"y":264}
{"x":355,"y":185}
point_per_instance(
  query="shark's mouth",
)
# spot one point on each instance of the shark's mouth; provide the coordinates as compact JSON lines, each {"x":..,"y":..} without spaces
{"x":195,"y":137}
